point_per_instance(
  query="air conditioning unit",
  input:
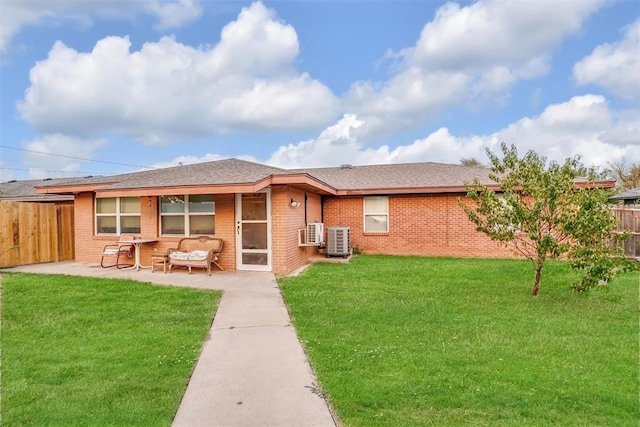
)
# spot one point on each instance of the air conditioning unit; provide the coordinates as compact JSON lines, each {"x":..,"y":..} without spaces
{"x":315,"y":233}
{"x":312,"y":235}
{"x":338,"y":241}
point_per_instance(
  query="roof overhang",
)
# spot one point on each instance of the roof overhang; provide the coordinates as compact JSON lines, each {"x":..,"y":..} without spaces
{"x":38,"y":198}
{"x":448,"y":189}
{"x":171,"y":191}
{"x":70,"y":189}
{"x":408,"y":190}
{"x":303,"y":181}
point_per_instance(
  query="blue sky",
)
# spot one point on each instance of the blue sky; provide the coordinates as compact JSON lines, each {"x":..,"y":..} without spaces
{"x":113,"y":86}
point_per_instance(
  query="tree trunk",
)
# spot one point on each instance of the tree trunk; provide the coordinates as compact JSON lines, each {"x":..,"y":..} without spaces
{"x":536,"y":281}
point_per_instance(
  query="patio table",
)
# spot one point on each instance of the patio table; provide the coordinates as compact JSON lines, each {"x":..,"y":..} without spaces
{"x":137,"y":243}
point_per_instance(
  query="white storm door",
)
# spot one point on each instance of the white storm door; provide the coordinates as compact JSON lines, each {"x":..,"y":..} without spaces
{"x":253,"y":231}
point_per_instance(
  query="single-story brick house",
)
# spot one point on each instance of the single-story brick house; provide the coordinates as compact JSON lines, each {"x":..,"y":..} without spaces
{"x":259,"y":210}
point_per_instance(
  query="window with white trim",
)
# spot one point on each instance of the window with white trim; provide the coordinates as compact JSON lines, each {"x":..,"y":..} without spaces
{"x":117,"y":215}
{"x":189,"y":215}
{"x":376,"y":214}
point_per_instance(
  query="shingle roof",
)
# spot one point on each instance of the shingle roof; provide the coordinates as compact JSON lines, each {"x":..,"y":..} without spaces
{"x":235,"y":171}
{"x":345,"y":179}
{"x":220,"y":172}
{"x":402,"y":175}
{"x":24,"y":190}
{"x":632,"y":194}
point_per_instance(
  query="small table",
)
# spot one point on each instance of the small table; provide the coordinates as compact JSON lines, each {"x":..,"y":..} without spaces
{"x":137,"y":243}
{"x":158,"y":260}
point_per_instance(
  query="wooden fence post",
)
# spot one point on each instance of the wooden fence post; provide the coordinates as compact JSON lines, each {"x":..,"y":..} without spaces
{"x":628,"y":218}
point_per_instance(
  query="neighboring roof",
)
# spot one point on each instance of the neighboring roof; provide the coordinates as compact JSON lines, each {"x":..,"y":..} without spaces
{"x":632,"y":194}
{"x":25,"y":190}
{"x":240,"y":176}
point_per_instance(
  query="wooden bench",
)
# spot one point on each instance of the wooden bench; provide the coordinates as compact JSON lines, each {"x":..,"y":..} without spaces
{"x":200,"y":252}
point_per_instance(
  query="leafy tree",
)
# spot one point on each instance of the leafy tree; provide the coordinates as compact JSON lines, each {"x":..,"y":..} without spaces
{"x":626,"y":176}
{"x":470,"y":161}
{"x":546,"y":211}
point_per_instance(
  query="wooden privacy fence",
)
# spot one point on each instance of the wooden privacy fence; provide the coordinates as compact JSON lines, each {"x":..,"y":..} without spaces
{"x":32,"y":233}
{"x":629,"y":220}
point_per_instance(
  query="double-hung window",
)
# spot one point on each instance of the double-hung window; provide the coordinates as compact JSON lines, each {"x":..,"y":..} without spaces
{"x":376,"y":214}
{"x":188,"y":215}
{"x":118,"y":215}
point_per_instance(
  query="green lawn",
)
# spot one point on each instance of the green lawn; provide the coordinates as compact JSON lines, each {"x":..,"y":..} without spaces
{"x":99,"y":352}
{"x":409,"y":341}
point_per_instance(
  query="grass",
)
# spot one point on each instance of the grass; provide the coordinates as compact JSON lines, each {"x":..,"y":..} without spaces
{"x":409,"y":341}
{"x":99,"y":352}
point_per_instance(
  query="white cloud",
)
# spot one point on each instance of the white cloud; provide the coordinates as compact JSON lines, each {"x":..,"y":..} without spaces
{"x":17,"y":14}
{"x":338,"y":144}
{"x":566,"y":129}
{"x":169,"y":91}
{"x":335,"y":145}
{"x":625,"y":132}
{"x":188,"y":160}
{"x":493,"y":33}
{"x":616,"y":66}
{"x":440,"y":146}
{"x":467,"y":56}
{"x":583,"y":126}
{"x":174,"y":14}
{"x":47,"y":165}
{"x":209,"y":157}
{"x":412,"y":92}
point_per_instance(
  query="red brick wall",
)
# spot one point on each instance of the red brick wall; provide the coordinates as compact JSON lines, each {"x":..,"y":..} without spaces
{"x":279,"y":218}
{"x":89,"y":246}
{"x":431,"y":225}
{"x":226,"y":229}
{"x":286,"y":220}
{"x":314,"y":208}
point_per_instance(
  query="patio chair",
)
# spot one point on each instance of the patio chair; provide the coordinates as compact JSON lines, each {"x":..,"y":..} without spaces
{"x":117,"y":250}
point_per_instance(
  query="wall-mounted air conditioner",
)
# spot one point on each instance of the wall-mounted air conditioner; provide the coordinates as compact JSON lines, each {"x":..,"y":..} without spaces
{"x":338,"y":241}
{"x":313,"y":235}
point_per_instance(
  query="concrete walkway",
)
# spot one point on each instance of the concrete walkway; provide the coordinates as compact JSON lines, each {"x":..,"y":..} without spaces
{"x":252,"y":370}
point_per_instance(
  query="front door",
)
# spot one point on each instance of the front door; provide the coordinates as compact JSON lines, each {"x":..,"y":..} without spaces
{"x":253,"y":231}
